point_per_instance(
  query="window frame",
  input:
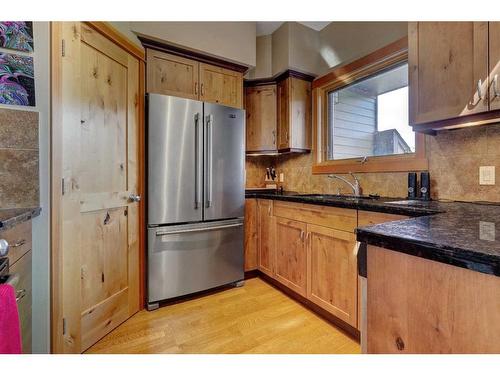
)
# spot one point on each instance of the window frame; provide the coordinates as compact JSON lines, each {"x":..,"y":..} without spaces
{"x":376,"y":62}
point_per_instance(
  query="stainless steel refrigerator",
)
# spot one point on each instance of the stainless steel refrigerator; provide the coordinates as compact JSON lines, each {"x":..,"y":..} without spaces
{"x":195,"y":196}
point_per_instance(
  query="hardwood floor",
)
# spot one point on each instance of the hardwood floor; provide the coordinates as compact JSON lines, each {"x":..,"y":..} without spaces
{"x":256,"y":318}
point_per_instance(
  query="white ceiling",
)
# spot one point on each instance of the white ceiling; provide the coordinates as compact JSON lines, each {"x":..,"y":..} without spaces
{"x":266,"y":28}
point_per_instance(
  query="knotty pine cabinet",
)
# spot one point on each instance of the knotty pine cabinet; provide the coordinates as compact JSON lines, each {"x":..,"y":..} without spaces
{"x":332,"y":272}
{"x":266,"y":237}
{"x":279,"y":116}
{"x":251,"y":235}
{"x":310,"y":249}
{"x":170,"y":74}
{"x":291,"y":255}
{"x":261,"y":118}
{"x":453,"y":72}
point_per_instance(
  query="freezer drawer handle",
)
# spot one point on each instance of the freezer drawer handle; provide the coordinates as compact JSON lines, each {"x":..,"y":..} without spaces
{"x":199,"y":229}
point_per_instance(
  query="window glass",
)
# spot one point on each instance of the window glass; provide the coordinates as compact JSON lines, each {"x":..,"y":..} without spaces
{"x":370,"y":117}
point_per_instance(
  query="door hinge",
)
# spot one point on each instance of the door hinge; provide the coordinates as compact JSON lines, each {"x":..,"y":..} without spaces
{"x":63,"y":48}
{"x":64,"y":326}
{"x":62,"y":186}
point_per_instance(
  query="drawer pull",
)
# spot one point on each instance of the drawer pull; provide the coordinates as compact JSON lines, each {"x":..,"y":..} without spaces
{"x":19,"y":243}
{"x":20,"y":294}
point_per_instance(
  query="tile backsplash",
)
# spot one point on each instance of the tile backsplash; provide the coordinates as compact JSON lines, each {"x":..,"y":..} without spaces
{"x":19,"y":159}
{"x":454,"y":160}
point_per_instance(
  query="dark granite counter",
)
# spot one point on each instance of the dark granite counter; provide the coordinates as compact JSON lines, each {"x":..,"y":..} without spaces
{"x":466,"y":235}
{"x":9,"y":217}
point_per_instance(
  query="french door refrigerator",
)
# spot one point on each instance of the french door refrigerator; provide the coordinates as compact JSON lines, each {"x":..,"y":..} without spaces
{"x":195,"y":197}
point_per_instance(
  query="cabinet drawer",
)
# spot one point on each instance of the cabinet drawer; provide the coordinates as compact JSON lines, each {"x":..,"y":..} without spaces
{"x":23,"y":291}
{"x":19,"y":239}
{"x":331,"y":217}
{"x":371,"y":218}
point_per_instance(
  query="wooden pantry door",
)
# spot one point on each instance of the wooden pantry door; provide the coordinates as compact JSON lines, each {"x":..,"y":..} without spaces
{"x":99,"y":237}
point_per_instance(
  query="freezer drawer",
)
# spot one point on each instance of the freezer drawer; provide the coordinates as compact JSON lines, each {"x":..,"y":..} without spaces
{"x":184,"y":259}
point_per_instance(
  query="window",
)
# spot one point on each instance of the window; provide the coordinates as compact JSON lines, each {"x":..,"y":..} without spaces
{"x":362,"y":116}
{"x":370,"y":117}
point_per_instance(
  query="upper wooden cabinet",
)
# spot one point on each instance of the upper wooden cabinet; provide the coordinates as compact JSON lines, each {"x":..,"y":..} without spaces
{"x":294,"y":114}
{"x":452,"y":69}
{"x":260,"y":105}
{"x":172,"y":75}
{"x":219,"y":85}
{"x":169,"y":74}
{"x":279,"y":114}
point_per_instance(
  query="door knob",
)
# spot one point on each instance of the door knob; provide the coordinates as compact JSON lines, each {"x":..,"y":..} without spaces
{"x":134,"y":197}
{"x":4,"y":247}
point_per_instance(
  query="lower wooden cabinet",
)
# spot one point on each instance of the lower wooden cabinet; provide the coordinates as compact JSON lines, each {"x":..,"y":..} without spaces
{"x":332,"y":272}
{"x":266,"y":233}
{"x":291,"y":256}
{"x":251,"y":235}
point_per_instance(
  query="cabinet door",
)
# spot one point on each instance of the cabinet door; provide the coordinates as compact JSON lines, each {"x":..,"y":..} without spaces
{"x":494,"y":58}
{"x":266,"y":237}
{"x":222,"y":86}
{"x":291,"y":256}
{"x":260,"y":106}
{"x":300,"y":114}
{"x":283,"y":115}
{"x":172,"y":75}
{"x":448,"y":70}
{"x":332,"y":272}
{"x":251,"y":244}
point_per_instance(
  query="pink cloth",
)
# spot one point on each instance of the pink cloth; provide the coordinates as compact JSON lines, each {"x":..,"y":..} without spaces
{"x":10,"y":331}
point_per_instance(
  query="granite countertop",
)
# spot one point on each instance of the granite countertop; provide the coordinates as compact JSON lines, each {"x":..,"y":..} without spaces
{"x":9,"y":217}
{"x":462,"y":234}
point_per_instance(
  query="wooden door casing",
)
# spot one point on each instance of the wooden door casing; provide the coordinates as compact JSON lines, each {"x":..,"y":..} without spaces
{"x":446,"y":61}
{"x":172,"y":75}
{"x":251,"y":235}
{"x":260,"y":105}
{"x":291,"y":256}
{"x":494,"y":68}
{"x":221,"y":86}
{"x":100,"y":169}
{"x":266,"y":238}
{"x":332,"y":272}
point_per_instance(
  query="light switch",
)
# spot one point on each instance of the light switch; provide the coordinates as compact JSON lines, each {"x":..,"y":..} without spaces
{"x":486,"y":231}
{"x":282,"y":177}
{"x":487,"y":175}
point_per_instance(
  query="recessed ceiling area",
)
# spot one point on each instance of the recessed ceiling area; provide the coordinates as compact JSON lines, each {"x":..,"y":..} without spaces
{"x":266,"y":28}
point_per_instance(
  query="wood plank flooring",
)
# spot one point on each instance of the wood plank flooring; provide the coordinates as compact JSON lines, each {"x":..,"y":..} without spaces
{"x":256,"y":318}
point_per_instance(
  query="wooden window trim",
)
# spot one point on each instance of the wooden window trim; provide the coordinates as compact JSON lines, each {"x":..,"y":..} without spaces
{"x":392,"y":54}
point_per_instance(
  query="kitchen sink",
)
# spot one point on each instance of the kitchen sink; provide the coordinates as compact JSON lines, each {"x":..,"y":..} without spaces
{"x":338,"y":197}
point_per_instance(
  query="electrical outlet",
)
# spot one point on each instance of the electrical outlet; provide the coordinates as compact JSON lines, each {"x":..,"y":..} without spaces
{"x":487,"y":175}
{"x":282,"y":177}
{"x":487,"y":231}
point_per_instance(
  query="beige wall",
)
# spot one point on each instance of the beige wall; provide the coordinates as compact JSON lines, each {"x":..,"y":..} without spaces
{"x":234,"y":41}
{"x":304,"y":49}
{"x":280,"y":48}
{"x":343,"y":42}
{"x":263,"y":67}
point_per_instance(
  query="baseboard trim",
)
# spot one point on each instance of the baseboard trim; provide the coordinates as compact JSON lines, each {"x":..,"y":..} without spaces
{"x":346,"y":328}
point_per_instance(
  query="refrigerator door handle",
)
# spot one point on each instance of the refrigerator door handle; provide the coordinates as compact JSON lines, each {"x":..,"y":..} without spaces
{"x":197,"y":188}
{"x":208,"y":177}
{"x":180,"y":231}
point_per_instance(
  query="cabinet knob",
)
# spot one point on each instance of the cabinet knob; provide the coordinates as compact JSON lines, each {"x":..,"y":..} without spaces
{"x":4,"y":248}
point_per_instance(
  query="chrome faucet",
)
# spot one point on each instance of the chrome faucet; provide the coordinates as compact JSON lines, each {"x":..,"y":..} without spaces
{"x":356,"y":188}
